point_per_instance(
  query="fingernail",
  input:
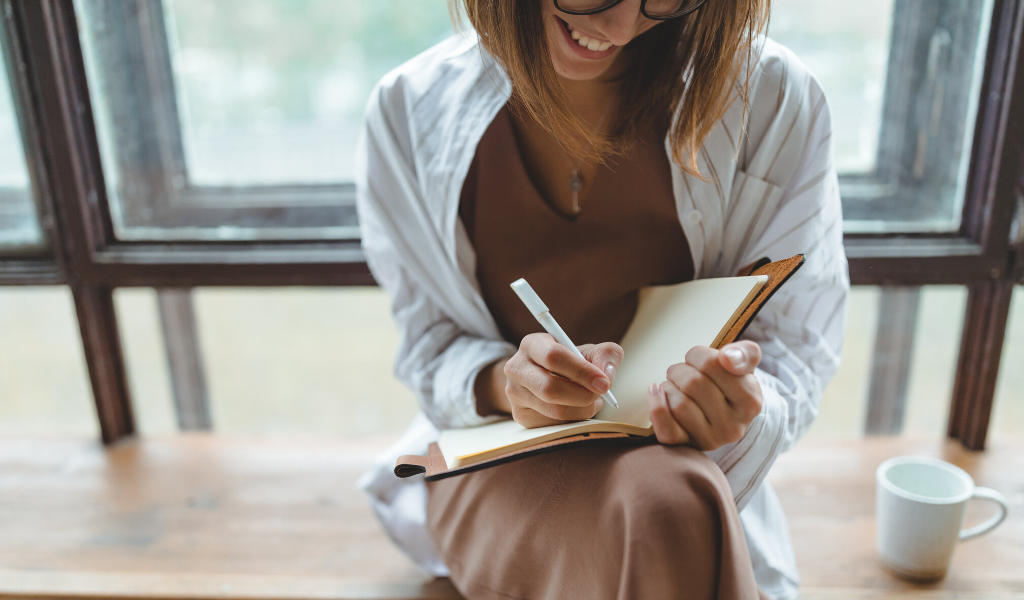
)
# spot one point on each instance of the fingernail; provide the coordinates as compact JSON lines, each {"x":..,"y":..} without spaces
{"x":599,"y":404}
{"x":610,"y":370}
{"x":601,"y":384}
{"x":652,"y":391}
{"x":735,"y":356}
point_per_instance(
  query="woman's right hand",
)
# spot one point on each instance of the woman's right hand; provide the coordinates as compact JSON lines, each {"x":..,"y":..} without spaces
{"x":547,"y":384}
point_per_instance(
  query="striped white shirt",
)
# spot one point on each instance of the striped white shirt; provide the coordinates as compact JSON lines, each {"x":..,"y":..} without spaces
{"x":769,"y":189}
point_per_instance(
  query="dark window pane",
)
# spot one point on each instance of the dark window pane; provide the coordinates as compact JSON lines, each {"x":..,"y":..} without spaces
{"x":19,"y":223}
{"x":238,"y":119}
{"x":902,"y":78}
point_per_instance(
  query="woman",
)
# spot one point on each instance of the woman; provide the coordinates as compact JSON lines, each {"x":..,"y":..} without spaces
{"x":596,"y":147}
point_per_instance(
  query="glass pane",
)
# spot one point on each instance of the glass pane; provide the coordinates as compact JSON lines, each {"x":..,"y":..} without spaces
{"x":1008,"y":407}
{"x":297,"y":360}
{"x":142,"y":342}
{"x":846,"y":46}
{"x":19,"y":223}
{"x":902,"y":78}
{"x":934,"y":356}
{"x":238,"y":119}
{"x":940,"y":320}
{"x":44,"y":384}
{"x":273,"y":91}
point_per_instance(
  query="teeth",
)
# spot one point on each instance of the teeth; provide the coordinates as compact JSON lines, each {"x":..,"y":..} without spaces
{"x":586,"y":42}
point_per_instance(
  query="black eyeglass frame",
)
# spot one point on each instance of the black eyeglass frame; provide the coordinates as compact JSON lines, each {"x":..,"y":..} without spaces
{"x":643,"y":10}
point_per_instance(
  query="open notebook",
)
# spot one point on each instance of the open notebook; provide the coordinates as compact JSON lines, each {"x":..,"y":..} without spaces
{"x":669,"y":321}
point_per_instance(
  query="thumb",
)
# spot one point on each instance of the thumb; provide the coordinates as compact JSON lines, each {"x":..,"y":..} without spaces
{"x":606,"y":356}
{"x":740,"y":358}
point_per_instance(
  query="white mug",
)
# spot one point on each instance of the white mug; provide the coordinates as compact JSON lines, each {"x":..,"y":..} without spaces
{"x":919,"y":506}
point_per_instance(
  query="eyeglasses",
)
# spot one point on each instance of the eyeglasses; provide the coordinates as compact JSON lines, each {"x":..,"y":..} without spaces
{"x":658,"y":10}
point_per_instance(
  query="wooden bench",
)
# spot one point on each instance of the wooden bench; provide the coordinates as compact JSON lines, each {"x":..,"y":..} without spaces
{"x":204,"y":516}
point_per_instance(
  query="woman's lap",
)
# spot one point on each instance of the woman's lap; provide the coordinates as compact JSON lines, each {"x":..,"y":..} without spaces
{"x":607,"y":521}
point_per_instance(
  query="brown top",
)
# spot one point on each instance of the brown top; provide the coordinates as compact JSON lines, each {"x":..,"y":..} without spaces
{"x":587,"y":269}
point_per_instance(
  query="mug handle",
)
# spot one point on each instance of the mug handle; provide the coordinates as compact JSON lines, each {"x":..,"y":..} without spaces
{"x":993,"y":496}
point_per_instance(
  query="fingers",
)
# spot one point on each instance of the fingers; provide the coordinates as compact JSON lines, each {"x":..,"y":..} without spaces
{"x":742,"y":392}
{"x":666,"y":428}
{"x":740,"y":358}
{"x":701,"y":390}
{"x":529,"y":418}
{"x":551,"y":388}
{"x":548,"y":383}
{"x":549,"y":354}
{"x":606,"y":357}
{"x":690,"y":417}
{"x":531,"y":411}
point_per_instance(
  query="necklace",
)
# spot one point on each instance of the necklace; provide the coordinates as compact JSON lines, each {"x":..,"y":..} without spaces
{"x":575,"y":181}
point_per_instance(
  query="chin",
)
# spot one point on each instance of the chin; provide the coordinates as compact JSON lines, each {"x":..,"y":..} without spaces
{"x":577,"y":72}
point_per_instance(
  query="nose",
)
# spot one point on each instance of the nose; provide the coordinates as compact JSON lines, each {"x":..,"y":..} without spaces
{"x":620,"y":23}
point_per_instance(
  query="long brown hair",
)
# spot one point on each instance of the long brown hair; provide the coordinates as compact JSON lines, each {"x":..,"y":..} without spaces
{"x":697,"y":60}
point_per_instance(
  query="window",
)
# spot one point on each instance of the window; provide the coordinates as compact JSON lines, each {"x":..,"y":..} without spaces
{"x":846,"y":46}
{"x":19,"y":223}
{"x":237,"y":120}
{"x":245,"y":122}
{"x":44,"y":388}
{"x":902,"y":78}
{"x":212,"y":144}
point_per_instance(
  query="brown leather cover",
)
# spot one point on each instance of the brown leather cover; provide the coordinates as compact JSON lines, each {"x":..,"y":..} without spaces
{"x":757,"y":264}
{"x":778,"y":273}
{"x":436,"y":468}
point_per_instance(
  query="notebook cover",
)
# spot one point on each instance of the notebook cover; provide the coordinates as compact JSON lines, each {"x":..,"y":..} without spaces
{"x":435,"y":467}
{"x":778,"y":273}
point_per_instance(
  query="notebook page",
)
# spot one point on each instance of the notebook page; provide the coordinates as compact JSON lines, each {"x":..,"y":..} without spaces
{"x":458,"y":445}
{"x":669,"y":321}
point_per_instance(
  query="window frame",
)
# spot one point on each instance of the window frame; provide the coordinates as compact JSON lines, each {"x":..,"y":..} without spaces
{"x":186,"y":212}
{"x":63,"y":148}
{"x":973,"y":252}
{"x":912,"y":55}
{"x":35,"y":264}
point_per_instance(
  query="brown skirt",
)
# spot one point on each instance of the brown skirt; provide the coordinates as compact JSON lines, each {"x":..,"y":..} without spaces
{"x":600,"y":522}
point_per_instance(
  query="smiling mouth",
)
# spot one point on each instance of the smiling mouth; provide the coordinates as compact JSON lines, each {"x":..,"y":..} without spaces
{"x":586,"y":41}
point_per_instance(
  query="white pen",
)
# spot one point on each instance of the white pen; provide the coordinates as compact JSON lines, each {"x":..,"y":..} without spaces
{"x":543,"y":315}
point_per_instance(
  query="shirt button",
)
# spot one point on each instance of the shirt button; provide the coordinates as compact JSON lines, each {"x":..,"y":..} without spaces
{"x":694,"y":217}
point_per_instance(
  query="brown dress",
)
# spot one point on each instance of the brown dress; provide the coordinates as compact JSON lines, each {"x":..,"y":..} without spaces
{"x":599,"y":522}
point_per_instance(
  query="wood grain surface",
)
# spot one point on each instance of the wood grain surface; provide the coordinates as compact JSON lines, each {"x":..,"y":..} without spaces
{"x":203,"y":516}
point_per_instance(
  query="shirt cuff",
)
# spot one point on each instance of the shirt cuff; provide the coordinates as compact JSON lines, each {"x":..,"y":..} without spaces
{"x":746,"y":461}
{"x":455,"y":379}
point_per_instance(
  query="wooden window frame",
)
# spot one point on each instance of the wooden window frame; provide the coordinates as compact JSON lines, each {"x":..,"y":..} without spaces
{"x":164,"y":204}
{"x":62,"y":147}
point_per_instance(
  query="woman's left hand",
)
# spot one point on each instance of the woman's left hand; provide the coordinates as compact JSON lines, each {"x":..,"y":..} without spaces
{"x":707,"y":401}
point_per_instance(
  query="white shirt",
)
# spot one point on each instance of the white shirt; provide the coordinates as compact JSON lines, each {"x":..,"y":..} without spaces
{"x":775,"y":195}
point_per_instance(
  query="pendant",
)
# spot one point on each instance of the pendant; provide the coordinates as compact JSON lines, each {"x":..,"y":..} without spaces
{"x":575,"y":184}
